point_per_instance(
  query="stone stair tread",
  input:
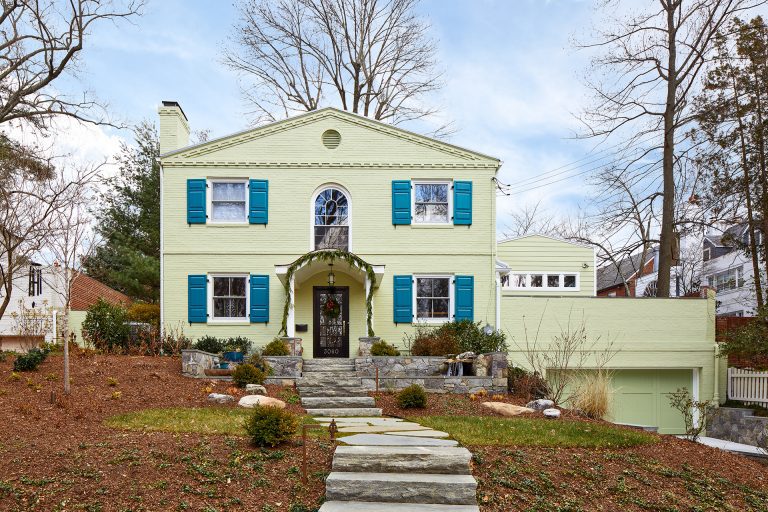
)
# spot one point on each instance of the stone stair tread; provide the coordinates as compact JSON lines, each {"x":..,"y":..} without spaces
{"x":394,"y":440}
{"x":337,"y":402}
{"x":329,"y":381}
{"x":342,"y":412}
{"x":320,"y":391}
{"x":369,"y":506}
{"x":396,"y":459}
{"x":402,"y":488}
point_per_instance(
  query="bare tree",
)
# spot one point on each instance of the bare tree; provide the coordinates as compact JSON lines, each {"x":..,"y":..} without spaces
{"x":371,"y":57}
{"x":28,"y":207}
{"x":40,"y":40}
{"x":644,"y":83}
{"x":531,"y":219}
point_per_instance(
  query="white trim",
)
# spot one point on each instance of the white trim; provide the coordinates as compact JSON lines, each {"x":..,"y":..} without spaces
{"x":209,"y":201}
{"x":544,"y":275}
{"x":226,"y":320}
{"x":319,"y":190}
{"x":451,"y":299}
{"x":695,"y":394}
{"x":512,"y":239}
{"x":594,"y":271}
{"x":290,"y":327}
{"x":162,"y":255}
{"x":498,"y":301}
{"x":449,"y":216}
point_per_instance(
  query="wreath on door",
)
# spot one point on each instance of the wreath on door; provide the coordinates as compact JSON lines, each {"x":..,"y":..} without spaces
{"x":331,"y":308}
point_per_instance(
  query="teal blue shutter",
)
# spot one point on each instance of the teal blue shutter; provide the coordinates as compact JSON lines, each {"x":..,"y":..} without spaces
{"x":258,"y":201}
{"x":259,"y":299}
{"x":196,"y":201}
{"x":403,"y":299}
{"x":401,"y":202}
{"x":462,"y":203}
{"x":464,"y":293}
{"x":197,"y":299}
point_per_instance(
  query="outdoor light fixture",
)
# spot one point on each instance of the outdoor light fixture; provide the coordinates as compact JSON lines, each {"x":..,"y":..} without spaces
{"x":331,"y":276}
{"x":488,"y":330}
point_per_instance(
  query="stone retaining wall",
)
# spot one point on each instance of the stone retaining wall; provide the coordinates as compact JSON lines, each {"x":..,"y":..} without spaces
{"x":400,"y":366}
{"x":737,"y":425}
{"x":439,"y":384}
{"x":285,"y":366}
{"x":195,"y":362}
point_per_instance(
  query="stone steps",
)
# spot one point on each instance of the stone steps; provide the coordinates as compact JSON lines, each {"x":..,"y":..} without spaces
{"x":406,"y":459}
{"x":341,"y":413}
{"x":360,"y":506}
{"x":337,"y":402}
{"x":321,"y":391}
{"x":401,"y":488}
{"x":328,"y":381}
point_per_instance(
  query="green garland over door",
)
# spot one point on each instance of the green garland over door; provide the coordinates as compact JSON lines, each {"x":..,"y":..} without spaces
{"x":329,"y":256}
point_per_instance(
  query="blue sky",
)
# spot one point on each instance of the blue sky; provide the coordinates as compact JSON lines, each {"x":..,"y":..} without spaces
{"x":512,"y":82}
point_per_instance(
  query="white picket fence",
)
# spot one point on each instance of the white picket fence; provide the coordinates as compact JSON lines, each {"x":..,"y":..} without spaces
{"x":748,"y":386}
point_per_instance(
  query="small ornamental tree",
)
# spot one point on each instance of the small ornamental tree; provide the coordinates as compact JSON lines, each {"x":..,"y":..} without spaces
{"x":692,"y":410}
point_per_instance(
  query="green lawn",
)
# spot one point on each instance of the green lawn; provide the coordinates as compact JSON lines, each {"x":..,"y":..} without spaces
{"x":485,"y":431}
{"x":204,"y":420}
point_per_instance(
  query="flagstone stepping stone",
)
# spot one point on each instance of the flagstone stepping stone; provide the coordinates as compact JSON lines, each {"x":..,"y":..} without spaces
{"x":378,"y":429}
{"x":372,"y":420}
{"x":394,"y":440}
{"x":342,"y":413}
{"x":401,"y":488}
{"x":447,"y":460}
{"x":421,"y":433}
{"x":367,"y":506}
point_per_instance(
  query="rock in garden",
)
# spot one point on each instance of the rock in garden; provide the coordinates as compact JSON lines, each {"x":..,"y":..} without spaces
{"x":254,"y":400}
{"x":540,"y":404}
{"x":552,"y":413}
{"x":220,"y":398}
{"x":507,"y":409}
{"x":255,"y":389}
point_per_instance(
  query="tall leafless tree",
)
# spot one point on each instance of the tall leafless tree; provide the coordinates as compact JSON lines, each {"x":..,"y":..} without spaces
{"x":643,"y":82}
{"x":40,"y":40}
{"x":370,"y":57}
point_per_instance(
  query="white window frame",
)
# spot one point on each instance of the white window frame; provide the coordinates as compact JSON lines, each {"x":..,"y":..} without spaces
{"x":740,"y":280}
{"x":318,"y":191}
{"x":544,"y":274}
{"x":209,"y":200}
{"x":228,"y":320}
{"x":451,"y":299}
{"x":449,"y":184}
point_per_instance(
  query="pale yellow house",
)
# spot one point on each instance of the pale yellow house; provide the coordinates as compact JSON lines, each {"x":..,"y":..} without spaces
{"x":332,"y":227}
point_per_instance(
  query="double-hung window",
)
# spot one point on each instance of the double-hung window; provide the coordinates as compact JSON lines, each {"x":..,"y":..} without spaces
{"x":730,"y":279}
{"x":229,"y":297}
{"x":534,"y":281}
{"x":432,"y":202}
{"x":229,"y":201}
{"x":433,"y":297}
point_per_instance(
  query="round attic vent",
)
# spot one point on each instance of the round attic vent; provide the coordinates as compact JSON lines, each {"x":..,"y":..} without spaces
{"x":331,"y":139}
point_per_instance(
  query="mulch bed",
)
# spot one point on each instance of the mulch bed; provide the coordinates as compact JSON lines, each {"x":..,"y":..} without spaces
{"x":671,"y":475}
{"x":56,"y":454}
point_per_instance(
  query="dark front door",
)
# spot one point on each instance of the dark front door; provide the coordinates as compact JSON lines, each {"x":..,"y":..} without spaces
{"x":331,"y":334}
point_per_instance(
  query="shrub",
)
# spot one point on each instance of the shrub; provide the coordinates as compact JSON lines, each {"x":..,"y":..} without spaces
{"x":144,"y":313}
{"x":30,"y":361}
{"x":690,"y":408}
{"x":382,"y":348}
{"x":429,"y":342}
{"x":257,"y":360}
{"x":238,"y":344}
{"x":524,"y":384}
{"x":412,"y":397}
{"x":276,"y":347}
{"x":270,"y":426}
{"x":105,"y":327}
{"x":247,"y":374}
{"x":210,"y":344}
{"x":454,"y":338}
{"x":592,"y":394}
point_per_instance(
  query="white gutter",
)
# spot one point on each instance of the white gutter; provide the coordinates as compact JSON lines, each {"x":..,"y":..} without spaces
{"x":162,"y":257}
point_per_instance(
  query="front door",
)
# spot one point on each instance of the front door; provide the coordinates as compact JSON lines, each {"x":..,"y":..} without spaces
{"x":331,"y":331}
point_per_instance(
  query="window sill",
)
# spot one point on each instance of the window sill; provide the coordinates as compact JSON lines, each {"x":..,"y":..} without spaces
{"x":227,"y":224}
{"x":431,"y":226}
{"x":434,"y":321}
{"x":229,"y":322}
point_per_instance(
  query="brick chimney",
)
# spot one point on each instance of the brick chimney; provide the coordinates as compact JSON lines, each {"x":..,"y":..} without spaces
{"x":174,"y":128}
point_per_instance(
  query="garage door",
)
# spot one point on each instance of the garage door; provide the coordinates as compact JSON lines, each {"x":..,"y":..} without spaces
{"x":641,"y":397}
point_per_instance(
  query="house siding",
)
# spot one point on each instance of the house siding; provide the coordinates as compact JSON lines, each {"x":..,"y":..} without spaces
{"x":537,"y":253}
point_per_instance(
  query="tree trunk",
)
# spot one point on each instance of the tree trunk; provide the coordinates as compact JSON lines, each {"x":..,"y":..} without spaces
{"x":668,"y":204}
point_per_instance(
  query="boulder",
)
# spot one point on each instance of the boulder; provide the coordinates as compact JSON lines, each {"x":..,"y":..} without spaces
{"x":540,"y":404}
{"x":254,"y":400}
{"x":220,"y":398}
{"x":507,"y":409}
{"x":552,"y":414}
{"x":255,"y":389}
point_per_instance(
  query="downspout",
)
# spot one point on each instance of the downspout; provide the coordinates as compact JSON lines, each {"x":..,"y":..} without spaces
{"x":494,"y":274}
{"x":716,"y":393}
{"x":498,"y":301}
{"x":162,"y":256}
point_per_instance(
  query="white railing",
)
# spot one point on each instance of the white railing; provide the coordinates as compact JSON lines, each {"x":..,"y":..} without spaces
{"x":748,"y":386}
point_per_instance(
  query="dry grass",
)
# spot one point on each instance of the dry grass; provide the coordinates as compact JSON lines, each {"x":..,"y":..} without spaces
{"x":592,"y":394}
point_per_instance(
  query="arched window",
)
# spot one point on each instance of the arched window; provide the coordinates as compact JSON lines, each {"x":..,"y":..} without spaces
{"x":331,"y":217}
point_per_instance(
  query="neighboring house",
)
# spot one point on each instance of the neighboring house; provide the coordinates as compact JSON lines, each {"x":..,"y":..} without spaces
{"x":40,"y":291}
{"x":640,"y":279}
{"x":729,"y":271}
{"x":249,"y":222}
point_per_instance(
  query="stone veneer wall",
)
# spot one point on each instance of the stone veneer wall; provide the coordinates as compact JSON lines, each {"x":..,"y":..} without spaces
{"x":286,"y":366}
{"x":195,"y":362}
{"x":737,"y":425}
